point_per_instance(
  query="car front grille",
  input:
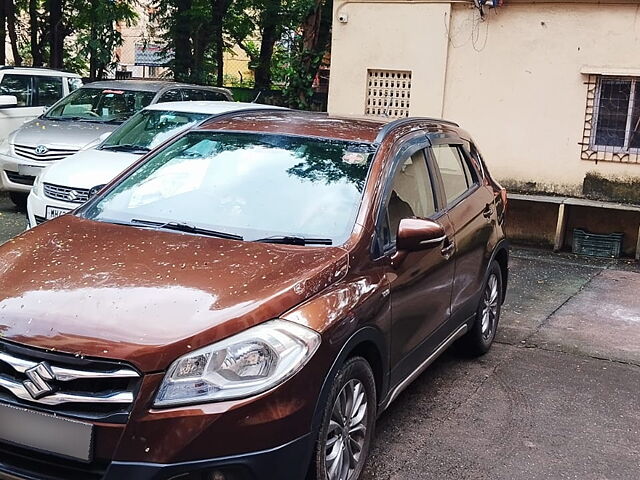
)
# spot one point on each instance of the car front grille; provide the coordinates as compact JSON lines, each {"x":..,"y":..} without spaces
{"x":73,"y":386}
{"x":15,"y":177}
{"x":39,"y":219}
{"x":66,"y":194}
{"x":44,"y":155}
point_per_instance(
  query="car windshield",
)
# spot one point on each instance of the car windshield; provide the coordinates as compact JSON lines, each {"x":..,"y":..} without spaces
{"x":100,"y":105}
{"x":149,"y":128}
{"x":258,"y":186}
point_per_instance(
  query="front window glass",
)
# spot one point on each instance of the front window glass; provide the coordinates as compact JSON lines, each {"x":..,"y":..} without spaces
{"x":253,"y":185}
{"x":100,"y":105}
{"x":149,"y":128}
{"x":411,"y":194}
{"x":19,"y":86}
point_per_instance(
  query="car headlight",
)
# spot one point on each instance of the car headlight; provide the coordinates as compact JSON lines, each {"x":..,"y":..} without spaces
{"x":5,"y":147}
{"x":240,"y":366}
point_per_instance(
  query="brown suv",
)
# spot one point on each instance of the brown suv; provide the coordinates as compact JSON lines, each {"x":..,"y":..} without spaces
{"x":244,"y":301}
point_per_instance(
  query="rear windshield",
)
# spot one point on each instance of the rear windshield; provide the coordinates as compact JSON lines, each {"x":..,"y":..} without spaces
{"x":252,"y":185}
{"x":149,"y":128}
{"x":100,"y":105}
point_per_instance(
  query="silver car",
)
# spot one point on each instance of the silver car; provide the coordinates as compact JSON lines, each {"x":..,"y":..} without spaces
{"x":82,"y":120}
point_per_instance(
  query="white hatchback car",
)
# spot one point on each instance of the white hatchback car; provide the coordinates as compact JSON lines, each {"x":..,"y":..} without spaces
{"x":70,"y":182}
{"x":26,"y":92}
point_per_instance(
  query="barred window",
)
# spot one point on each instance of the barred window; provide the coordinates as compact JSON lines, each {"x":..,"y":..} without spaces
{"x":388,"y":93}
{"x":612,"y":122}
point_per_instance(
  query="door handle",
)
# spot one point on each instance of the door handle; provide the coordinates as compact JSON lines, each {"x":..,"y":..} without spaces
{"x":448,"y":250}
{"x":488,"y":211}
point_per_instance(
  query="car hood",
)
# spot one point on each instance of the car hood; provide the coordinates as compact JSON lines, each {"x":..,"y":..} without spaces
{"x":72,"y":135}
{"x":146,"y":296}
{"x":88,"y":168}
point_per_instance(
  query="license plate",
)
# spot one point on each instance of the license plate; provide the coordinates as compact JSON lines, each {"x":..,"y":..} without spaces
{"x":29,"y":170}
{"x":53,"y":212}
{"x":49,"y":434}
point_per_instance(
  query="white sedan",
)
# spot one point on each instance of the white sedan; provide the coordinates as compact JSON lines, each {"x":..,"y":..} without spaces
{"x":69,"y":183}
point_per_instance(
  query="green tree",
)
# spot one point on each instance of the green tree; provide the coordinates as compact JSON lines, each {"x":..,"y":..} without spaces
{"x":310,"y":46}
{"x":97,"y":35}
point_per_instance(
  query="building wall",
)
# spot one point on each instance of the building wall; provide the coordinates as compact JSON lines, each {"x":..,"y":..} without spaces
{"x":512,"y":80}
{"x":388,"y":36}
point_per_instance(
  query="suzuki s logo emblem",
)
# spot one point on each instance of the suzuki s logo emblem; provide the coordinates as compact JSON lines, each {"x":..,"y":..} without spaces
{"x":41,"y":150}
{"x":72,"y":195}
{"x":37,"y":385}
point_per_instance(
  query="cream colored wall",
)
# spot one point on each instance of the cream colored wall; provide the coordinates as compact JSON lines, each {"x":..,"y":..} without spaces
{"x":513,"y":81}
{"x":390,"y":37}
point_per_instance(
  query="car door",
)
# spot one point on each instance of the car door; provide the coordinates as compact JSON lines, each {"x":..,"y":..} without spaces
{"x":470,"y":207}
{"x":22,"y":87}
{"x":420,"y":285}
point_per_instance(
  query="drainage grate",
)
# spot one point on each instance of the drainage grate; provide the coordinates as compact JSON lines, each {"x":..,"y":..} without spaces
{"x":597,"y":245}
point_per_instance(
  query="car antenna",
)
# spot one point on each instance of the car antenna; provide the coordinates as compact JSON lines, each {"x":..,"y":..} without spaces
{"x":257,"y":97}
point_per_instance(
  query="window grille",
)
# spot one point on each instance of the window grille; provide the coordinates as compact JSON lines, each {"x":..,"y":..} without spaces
{"x":612,"y":120}
{"x":388,"y":93}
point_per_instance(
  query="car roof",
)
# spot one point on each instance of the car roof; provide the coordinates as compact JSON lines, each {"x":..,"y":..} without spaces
{"x":146,"y":85}
{"x":209,"y":107}
{"x":37,"y":71}
{"x":321,"y":125}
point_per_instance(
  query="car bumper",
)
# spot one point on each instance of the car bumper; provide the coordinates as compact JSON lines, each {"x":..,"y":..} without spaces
{"x":281,"y":463}
{"x":286,"y":462}
{"x":18,"y":175}
{"x":39,"y":206}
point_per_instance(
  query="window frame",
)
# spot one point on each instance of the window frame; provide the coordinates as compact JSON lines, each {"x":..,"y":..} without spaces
{"x":30,"y":103}
{"x":458,"y":144}
{"x":406,"y":147}
{"x":596,"y":116}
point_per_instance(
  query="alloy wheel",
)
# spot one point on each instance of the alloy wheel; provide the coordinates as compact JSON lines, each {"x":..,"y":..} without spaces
{"x":347,"y":432}
{"x":490,"y":307}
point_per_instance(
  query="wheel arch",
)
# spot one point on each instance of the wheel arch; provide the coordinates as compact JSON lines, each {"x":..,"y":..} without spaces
{"x":368,"y":343}
{"x":501,"y":255}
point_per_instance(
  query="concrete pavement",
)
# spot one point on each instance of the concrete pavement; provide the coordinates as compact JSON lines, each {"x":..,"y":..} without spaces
{"x":558,"y":396}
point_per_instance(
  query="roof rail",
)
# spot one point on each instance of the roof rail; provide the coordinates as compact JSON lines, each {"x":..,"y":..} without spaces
{"x":223,"y":116}
{"x":12,"y":67}
{"x":384,"y":131}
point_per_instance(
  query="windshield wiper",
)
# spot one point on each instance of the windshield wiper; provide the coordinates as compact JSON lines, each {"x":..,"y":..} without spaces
{"x":127,"y":147}
{"x":185,"y":227}
{"x":295,"y":240}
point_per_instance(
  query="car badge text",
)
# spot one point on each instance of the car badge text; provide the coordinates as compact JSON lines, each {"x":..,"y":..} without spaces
{"x":37,"y":385}
{"x":41,"y":150}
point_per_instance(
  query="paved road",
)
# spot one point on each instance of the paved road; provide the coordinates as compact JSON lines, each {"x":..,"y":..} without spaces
{"x":558,"y":397}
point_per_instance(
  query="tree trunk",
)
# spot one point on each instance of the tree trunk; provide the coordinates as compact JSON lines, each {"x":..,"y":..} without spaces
{"x":93,"y":61}
{"x":57,"y":33}
{"x":3,"y":32}
{"x":218,"y":10}
{"x":316,"y":36}
{"x":270,"y":33}
{"x":36,"y":51}
{"x":11,"y":28}
{"x":182,"y":48}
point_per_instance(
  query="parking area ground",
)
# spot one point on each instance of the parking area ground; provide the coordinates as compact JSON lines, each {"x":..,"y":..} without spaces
{"x":558,"y":397}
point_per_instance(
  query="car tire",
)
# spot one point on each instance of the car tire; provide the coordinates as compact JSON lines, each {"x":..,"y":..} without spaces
{"x":19,"y":199}
{"x":346,"y":426}
{"x":479,"y":339}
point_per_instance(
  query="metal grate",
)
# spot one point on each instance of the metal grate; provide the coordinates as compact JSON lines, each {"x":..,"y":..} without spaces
{"x":42,"y":153}
{"x":388,"y":93}
{"x":66,"y":194}
{"x":597,"y":245}
{"x":612,"y":120}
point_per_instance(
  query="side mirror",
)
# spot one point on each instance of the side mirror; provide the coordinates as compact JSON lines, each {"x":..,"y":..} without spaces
{"x":419,"y":234}
{"x":7,"y":101}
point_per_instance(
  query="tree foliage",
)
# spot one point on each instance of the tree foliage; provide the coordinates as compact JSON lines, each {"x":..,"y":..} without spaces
{"x":286,"y":41}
